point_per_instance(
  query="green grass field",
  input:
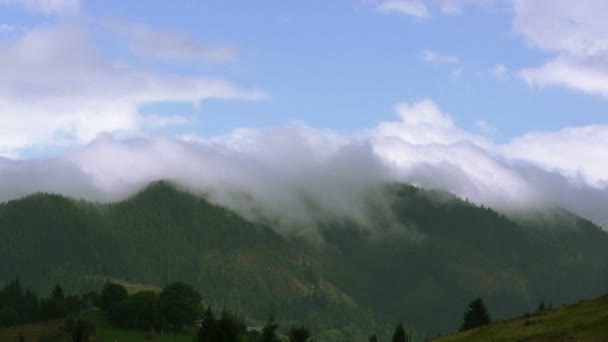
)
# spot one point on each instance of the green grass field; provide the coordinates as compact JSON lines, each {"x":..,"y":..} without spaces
{"x":584,"y":321}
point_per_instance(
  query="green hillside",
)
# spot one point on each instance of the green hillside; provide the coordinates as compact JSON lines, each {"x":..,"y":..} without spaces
{"x":421,"y":264}
{"x":585,"y":321}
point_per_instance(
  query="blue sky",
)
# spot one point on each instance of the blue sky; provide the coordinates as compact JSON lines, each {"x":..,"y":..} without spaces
{"x":343,"y":65}
{"x":340,"y":65}
{"x":503,"y":102}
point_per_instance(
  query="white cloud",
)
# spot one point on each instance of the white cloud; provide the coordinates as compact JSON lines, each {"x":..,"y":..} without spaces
{"x":170,"y":45}
{"x":423,"y":9}
{"x":576,"y":32}
{"x":298,"y":176}
{"x":437,"y":58}
{"x":48,"y":7}
{"x":500,"y":71}
{"x":456,"y":7}
{"x":485,"y":127}
{"x":577,"y":152}
{"x":455,"y":74}
{"x":578,"y":74}
{"x":56,"y":87}
{"x":5,"y":28}
{"x":415,"y":8}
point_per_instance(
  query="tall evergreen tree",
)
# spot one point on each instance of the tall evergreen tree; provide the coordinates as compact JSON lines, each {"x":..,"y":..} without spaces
{"x":475,"y":315}
{"x":208,"y":331}
{"x":58,"y":293}
{"x":269,"y":332}
{"x":299,"y":334}
{"x":399,"y":335}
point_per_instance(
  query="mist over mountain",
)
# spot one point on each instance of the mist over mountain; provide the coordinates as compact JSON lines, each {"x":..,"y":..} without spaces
{"x":300,"y":176}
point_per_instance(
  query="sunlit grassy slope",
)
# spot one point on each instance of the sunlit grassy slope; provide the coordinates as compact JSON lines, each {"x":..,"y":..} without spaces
{"x":584,"y":321}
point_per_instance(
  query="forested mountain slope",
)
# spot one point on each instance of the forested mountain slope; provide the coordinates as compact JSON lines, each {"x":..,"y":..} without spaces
{"x":421,"y":265}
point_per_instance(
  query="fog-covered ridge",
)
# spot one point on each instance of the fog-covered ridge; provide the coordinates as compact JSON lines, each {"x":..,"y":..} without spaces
{"x":299,"y":175}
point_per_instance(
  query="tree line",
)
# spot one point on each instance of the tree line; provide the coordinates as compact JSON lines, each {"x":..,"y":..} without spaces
{"x":177,"y":307}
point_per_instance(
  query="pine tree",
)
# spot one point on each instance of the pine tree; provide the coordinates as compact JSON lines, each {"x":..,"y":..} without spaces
{"x":299,"y":334}
{"x":208,"y":330}
{"x":269,"y":332}
{"x":58,"y":293}
{"x":399,"y":335}
{"x":476,"y":315}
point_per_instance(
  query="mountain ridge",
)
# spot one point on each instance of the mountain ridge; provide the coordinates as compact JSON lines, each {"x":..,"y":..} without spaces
{"x":438,"y":255}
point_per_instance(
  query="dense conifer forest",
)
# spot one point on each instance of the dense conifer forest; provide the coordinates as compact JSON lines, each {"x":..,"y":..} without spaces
{"x":422,"y":268}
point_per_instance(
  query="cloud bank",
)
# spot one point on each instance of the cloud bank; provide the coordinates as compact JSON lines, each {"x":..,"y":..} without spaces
{"x":57,"y":88}
{"x":297,"y":176}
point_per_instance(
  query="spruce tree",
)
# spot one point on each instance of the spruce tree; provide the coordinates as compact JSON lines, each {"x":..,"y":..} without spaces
{"x":475,"y":315}
{"x":299,"y":334}
{"x":269,"y":332}
{"x":399,"y":335}
{"x":541,"y":306}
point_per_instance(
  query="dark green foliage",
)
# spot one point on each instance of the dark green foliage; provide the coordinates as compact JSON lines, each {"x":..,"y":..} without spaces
{"x":179,"y":305}
{"x":111,"y":294}
{"x":90,"y":299}
{"x":18,"y":306}
{"x":269,"y":331}
{"x":52,"y":308}
{"x":79,"y":329}
{"x":354,"y":282}
{"x":138,"y":311}
{"x":541,"y":306}
{"x":373,"y":338}
{"x":21,"y":337}
{"x":58,"y":293}
{"x":229,"y":328}
{"x":399,"y":335}
{"x":299,"y":334}
{"x":476,"y":315}
{"x":209,"y":329}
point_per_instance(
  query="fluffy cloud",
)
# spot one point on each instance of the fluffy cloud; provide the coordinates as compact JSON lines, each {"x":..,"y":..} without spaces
{"x":422,"y":9}
{"x":485,"y":127}
{"x":437,"y":58}
{"x":5,"y":28}
{"x":578,"y":35}
{"x":48,"y":7}
{"x":55,"y":88}
{"x":297,"y":176}
{"x":456,"y":7}
{"x":415,"y":8}
{"x":500,"y":71}
{"x":169,"y":45}
{"x":579,"y":152}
